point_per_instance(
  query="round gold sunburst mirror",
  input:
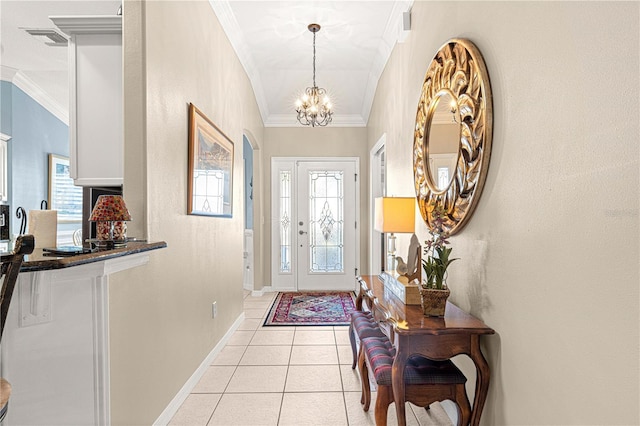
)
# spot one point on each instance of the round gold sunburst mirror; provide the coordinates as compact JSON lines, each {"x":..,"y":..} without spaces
{"x":452,"y":136}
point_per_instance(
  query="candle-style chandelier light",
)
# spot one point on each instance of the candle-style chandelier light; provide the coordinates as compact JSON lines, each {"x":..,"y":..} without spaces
{"x":314,"y":106}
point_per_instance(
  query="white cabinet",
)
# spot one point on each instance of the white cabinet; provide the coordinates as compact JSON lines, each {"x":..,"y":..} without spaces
{"x":96,"y":104}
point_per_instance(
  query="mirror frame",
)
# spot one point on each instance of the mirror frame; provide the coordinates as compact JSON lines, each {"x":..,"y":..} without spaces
{"x":457,"y":67}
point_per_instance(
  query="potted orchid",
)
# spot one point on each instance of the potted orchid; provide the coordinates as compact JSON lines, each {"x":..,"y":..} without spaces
{"x":434,"y":288}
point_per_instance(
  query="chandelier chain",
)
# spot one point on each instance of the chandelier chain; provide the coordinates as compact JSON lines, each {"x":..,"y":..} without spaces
{"x":314,"y":59}
{"x":313,"y":108}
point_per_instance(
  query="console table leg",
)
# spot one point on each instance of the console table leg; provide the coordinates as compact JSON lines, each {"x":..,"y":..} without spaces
{"x":397,"y":383}
{"x":482,"y":380}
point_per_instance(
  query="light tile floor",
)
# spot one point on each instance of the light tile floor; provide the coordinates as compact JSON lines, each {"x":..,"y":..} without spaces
{"x":286,"y":376}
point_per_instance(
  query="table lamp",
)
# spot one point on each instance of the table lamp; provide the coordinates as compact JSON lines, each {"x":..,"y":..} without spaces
{"x":110,"y":213}
{"x":394,"y":215}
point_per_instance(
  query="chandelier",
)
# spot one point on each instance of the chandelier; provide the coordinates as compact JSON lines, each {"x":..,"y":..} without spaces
{"x":314,"y":106}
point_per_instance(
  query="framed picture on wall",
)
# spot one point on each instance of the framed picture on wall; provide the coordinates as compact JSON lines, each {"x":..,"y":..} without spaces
{"x":210,"y":177}
{"x":64,"y":196}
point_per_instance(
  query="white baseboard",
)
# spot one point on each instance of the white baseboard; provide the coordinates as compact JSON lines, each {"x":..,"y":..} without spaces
{"x":175,"y":404}
{"x":262,"y":291}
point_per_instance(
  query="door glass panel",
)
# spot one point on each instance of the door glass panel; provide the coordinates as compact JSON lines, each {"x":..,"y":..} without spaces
{"x":443,"y":177}
{"x":326,"y":221}
{"x":285,"y":221}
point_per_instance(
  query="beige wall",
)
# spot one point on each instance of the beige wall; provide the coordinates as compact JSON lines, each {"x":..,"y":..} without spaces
{"x":550,"y":259}
{"x":557,"y":223}
{"x":314,"y":142}
{"x":160,"y":314}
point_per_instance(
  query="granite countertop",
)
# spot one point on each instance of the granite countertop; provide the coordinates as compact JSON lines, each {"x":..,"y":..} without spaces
{"x":37,"y":261}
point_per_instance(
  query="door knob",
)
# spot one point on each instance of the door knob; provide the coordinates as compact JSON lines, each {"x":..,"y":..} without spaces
{"x":301,"y":232}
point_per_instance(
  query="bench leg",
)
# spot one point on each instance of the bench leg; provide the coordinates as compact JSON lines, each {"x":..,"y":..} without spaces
{"x":352,"y":339}
{"x":365,"y":399}
{"x":383,"y":400}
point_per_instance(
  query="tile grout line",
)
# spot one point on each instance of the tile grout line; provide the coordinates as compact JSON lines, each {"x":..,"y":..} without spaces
{"x":344,"y":397}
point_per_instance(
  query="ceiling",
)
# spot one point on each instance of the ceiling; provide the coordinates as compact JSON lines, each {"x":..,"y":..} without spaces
{"x":270,"y":38}
{"x":37,"y":68}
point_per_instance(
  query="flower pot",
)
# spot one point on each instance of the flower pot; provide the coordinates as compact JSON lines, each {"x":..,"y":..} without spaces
{"x":434,"y":301}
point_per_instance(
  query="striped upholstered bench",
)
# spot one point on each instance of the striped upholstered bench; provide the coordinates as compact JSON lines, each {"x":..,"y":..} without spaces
{"x":426,"y":381}
{"x":362,"y":325}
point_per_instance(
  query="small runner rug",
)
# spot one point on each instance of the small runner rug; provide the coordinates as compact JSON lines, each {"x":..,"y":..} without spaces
{"x":312,"y":308}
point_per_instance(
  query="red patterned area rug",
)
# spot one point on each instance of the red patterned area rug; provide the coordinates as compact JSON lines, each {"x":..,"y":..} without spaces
{"x":312,"y":308}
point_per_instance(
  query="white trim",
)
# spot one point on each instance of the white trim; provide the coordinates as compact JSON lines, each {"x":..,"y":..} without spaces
{"x":389,"y":38}
{"x":229,"y":24}
{"x":88,"y":24}
{"x":248,"y":277}
{"x":391,"y":34}
{"x":262,"y":292}
{"x":338,"y":120}
{"x":35,"y":92}
{"x":105,"y":267}
{"x":101,"y":363}
{"x":281,"y":280}
{"x":278,"y":164}
{"x":175,"y":404}
{"x":91,"y":181}
{"x":125,"y":262}
{"x":374,"y":192}
{"x":4,"y":165}
{"x":72,"y":53}
{"x":7,"y":73}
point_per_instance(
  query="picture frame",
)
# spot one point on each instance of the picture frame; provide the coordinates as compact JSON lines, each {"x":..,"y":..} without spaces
{"x":63,"y":195}
{"x":210,"y":176}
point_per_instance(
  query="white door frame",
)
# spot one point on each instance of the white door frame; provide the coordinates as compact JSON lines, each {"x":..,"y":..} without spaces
{"x":284,"y":281}
{"x":376,"y":189}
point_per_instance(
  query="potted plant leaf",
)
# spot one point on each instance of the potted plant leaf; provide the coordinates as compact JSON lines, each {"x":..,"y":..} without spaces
{"x":433,"y":289}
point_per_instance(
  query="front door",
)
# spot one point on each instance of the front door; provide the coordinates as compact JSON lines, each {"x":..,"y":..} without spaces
{"x":316,"y":203}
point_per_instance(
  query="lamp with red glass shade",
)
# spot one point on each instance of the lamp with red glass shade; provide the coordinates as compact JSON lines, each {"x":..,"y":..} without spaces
{"x":110,"y":214}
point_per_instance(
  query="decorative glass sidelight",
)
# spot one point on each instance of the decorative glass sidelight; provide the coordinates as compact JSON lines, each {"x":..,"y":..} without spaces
{"x":285,"y":221}
{"x":326,"y":221}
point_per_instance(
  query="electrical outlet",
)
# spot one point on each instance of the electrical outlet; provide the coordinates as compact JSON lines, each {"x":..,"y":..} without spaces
{"x":214,"y":309}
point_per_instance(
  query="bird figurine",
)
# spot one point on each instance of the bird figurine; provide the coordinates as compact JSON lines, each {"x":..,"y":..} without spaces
{"x":401,"y":267}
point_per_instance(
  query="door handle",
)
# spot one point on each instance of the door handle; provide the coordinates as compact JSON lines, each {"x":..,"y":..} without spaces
{"x":302,"y":232}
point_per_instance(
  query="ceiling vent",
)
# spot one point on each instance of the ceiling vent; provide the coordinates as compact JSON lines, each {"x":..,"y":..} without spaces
{"x":48,"y":36}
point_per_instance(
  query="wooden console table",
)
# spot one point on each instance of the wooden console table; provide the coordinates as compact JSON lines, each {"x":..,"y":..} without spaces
{"x":435,"y":338}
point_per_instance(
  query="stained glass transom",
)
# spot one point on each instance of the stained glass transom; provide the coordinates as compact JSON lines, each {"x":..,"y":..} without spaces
{"x":326,"y":221}
{"x":285,"y":221}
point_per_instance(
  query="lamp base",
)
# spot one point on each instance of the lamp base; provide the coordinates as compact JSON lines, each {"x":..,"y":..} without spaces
{"x":111,"y":234}
{"x":391,"y":254}
{"x":109,"y":244}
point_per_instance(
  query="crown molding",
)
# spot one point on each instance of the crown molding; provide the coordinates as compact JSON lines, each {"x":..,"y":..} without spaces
{"x":338,"y":120}
{"x":7,"y":73}
{"x":35,"y":92}
{"x":99,"y":24}
{"x":393,"y":33}
{"x":229,"y":24}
